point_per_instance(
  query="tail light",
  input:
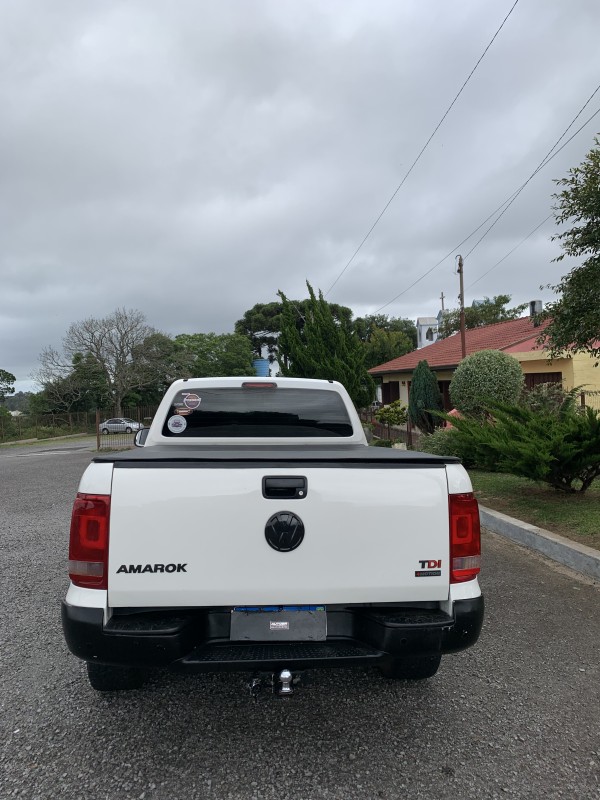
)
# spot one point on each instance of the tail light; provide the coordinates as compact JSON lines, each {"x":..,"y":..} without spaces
{"x":465,"y":538}
{"x":88,"y":543}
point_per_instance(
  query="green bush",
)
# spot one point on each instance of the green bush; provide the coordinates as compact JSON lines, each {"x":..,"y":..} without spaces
{"x":43,"y":432}
{"x":381,"y":443}
{"x":425,"y":396}
{"x":488,"y":376}
{"x":561,"y":449}
{"x":447,"y":442}
{"x":549,"y":397}
{"x":7,"y":425}
{"x":392,"y":414}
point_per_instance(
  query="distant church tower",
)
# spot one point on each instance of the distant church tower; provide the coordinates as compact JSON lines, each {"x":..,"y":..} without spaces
{"x":428,"y":327}
{"x":427,"y":330}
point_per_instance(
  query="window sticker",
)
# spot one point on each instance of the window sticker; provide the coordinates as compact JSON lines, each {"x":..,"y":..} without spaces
{"x":183,"y":411}
{"x":177,"y":424}
{"x":191,"y":401}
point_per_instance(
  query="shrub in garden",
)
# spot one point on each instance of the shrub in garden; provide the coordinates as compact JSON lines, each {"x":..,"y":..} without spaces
{"x":46,"y":432}
{"x":488,"y":376}
{"x":561,"y":449}
{"x":425,"y":396}
{"x":447,"y":442}
{"x":549,"y":397}
{"x":392,"y":414}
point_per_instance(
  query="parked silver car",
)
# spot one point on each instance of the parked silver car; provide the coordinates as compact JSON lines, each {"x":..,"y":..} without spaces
{"x":120,"y":425}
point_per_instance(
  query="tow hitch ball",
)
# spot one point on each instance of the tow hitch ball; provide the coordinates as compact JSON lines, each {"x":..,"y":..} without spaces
{"x":281,"y":684}
{"x":285,"y":683}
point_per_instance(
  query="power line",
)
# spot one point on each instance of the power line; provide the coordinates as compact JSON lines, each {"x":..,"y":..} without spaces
{"x":413,"y":165}
{"x":503,"y":207}
{"x":548,"y":157}
{"x":570,"y":125}
{"x":510,"y":252}
{"x":441,"y":261}
{"x":542,"y":164}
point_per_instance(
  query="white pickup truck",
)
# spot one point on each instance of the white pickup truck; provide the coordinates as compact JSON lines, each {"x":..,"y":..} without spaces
{"x":255,"y":530}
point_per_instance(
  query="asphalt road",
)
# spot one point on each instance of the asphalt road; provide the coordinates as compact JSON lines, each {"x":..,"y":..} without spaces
{"x":516,"y":716}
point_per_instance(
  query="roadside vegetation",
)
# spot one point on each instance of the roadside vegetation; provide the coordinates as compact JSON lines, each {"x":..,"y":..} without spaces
{"x":45,"y":426}
{"x":576,"y":517}
{"x":536,"y":458}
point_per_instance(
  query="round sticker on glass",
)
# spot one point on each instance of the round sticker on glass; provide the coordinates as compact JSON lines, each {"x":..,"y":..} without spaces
{"x":191,"y":401}
{"x":177,"y":424}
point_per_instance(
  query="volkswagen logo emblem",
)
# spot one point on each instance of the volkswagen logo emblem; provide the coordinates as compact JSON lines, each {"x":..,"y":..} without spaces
{"x":284,"y":531}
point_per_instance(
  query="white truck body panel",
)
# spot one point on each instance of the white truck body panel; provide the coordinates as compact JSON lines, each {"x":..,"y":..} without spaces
{"x":366,"y":530}
{"x":215,"y":547}
{"x":155,"y":436}
{"x":458,"y":479}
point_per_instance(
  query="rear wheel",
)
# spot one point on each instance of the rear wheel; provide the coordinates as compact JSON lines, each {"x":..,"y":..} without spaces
{"x":104,"y":430}
{"x":105,"y":678}
{"x":415,"y":668}
{"x":127,"y":430}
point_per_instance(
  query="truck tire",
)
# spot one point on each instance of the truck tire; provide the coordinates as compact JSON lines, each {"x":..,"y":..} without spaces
{"x":415,"y":668}
{"x":105,"y":678}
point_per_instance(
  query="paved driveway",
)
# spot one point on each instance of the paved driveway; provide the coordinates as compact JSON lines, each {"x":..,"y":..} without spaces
{"x":517,"y":716}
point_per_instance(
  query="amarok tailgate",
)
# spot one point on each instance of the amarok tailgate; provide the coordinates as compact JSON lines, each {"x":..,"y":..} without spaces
{"x":194,"y":534}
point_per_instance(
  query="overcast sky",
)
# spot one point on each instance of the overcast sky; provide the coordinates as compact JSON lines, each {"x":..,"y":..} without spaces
{"x":189,"y":159}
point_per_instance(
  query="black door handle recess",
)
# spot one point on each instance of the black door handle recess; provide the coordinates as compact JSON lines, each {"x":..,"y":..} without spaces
{"x":284,"y":487}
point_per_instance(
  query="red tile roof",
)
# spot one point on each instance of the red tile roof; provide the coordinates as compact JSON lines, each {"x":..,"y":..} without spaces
{"x":448,"y":353}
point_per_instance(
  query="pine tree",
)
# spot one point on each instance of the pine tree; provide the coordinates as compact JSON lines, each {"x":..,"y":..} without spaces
{"x":574,"y":325}
{"x":424,"y":397}
{"x":323,"y":348}
{"x":561,"y":448}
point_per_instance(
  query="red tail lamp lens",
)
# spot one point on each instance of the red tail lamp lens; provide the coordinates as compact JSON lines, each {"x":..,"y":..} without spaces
{"x":88,"y":543}
{"x":465,"y":538}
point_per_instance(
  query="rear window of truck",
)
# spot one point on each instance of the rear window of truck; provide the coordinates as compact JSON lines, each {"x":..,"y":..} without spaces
{"x":254,"y":412}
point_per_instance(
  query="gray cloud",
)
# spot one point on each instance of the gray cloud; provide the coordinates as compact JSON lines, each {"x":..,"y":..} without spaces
{"x":190,"y":160}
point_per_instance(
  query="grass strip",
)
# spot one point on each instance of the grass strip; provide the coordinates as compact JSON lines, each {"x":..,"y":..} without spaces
{"x":575,"y":516}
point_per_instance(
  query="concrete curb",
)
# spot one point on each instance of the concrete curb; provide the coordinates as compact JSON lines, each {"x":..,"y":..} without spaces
{"x":49,"y":439}
{"x":571,"y":554}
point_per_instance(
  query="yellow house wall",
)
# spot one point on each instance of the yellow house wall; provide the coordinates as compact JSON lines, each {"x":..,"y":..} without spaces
{"x":406,"y":377}
{"x":585,"y":374}
{"x":532,"y":363}
{"x":400,"y":377}
{"x":576,"y":371}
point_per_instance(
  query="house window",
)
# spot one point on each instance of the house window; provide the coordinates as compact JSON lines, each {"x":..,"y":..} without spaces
{"x":535,"y":379}
{"x":390,"y":392}
{"x":444,"y":387}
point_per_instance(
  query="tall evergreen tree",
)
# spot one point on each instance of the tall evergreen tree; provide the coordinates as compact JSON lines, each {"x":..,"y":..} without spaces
{"x":7,"y":380}
{"x":575,"y":317}
{"x":211,"y":355}
{"x":367,"y":326}
{"x":261,"y":324}
{"x":323,"y":347}
{"x":385,"y":345}
{"x":424,"y":397}
{"x":484,"y":312}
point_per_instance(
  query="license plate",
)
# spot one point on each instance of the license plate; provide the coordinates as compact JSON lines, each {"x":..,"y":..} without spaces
{"x":278,"y":623}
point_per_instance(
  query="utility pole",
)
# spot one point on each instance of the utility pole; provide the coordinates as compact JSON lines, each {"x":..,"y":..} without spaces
{"x":442,"y":298}
{"x":461,"y":298}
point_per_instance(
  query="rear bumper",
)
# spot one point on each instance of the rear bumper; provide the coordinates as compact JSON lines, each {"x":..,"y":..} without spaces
{"x":198,"y":640}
